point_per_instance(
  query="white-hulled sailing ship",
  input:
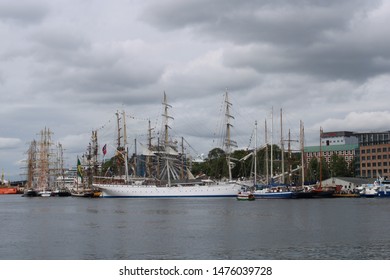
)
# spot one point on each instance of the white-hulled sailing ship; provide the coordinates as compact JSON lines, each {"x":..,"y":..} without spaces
{"x":165,"y":157}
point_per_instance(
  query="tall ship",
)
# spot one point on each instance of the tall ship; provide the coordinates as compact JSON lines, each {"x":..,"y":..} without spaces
{"x":167,"y":169}
{"x":44,"y":166}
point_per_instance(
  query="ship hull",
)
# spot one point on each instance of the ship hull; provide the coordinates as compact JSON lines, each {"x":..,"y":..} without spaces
{"x":151,"y":191}
{"x":271,"y":195}
{"x":8,"y":190}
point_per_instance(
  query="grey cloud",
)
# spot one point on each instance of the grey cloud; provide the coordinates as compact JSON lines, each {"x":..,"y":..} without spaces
{"x":319,"y":38}
{"x":23,"y":12}
{"x":280,"y":22}
{"x":8,"y":143}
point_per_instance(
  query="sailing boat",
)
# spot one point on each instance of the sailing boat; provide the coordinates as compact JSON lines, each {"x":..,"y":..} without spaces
{"x":279,"y":191}
{"x":167,"y":187}
{"x":320,"y":191}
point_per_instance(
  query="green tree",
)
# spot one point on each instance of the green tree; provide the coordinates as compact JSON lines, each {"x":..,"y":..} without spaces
{"x":313,"y":173}
{"x":338,"y":166}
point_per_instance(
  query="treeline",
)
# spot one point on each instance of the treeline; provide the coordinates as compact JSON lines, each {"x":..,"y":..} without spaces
{"x":215,"y":165}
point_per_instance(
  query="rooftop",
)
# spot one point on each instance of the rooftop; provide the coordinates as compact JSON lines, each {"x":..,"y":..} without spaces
{"x":348,"y":147}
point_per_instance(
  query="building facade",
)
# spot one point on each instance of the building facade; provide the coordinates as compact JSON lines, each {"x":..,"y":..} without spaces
{"x":374,"y":160}
{"x":346,"y":151}
{"x":338,"y":138}
{"x":369,"y":151}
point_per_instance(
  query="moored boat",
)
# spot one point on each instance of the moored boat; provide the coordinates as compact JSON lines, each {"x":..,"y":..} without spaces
{"x":44,"y":193}
{"x":8,"y":190}
{"x":280,"y":192}
{"x":323,"y":192}
{"x":137,"y":189}
{"x":61,"y":193}
{"x":30,"y":193}
{"x":169,"y":183}
{"x":82,"y":193}
{"x":369,"y":192}
{"x":245,"y":195}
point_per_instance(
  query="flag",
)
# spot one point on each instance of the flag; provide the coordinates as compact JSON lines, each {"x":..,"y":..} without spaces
{"x":104,"y":150}
{"x":79,"y":169}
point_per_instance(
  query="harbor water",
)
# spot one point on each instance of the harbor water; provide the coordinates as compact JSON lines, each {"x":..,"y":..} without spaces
{"x":194,"y":229}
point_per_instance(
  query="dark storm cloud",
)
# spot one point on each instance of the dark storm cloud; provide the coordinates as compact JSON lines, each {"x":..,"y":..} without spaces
{"x":23,"y":12}
{"x":320,"y":38}
{"x":68,"y":63}
{"x":287,"y":22}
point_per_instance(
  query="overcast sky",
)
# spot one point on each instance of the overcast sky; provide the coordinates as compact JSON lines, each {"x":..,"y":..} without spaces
{"x":70,"y":65}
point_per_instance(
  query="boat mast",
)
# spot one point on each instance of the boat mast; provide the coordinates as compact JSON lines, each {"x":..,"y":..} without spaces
{"x":32,"y":165}
{"x":281,"y":143}
{"x":60,"y":165}
{"x":320,"y":157}
{"x":148,"y":157}
{"x":228,"y":142}
{"x":302,"y":140}
{"x":125,"y":150}
{"x":266,"y":153}
{"x":167,"y":117}
{"x":119,"y":146}
{"x":255,"y":156}
{"x":272,"y":144}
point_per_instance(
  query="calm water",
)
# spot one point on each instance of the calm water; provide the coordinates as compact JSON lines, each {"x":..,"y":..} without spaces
{"x":78,"y":228}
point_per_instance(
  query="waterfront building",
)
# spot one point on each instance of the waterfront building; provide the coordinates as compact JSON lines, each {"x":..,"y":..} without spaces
{"x":338,"y":138}
{"x":347,"y":184}
{"x":346,"y":151}
{"x":374,"y":160}
{"x":370,"y":151}
{"x":373,"y":155}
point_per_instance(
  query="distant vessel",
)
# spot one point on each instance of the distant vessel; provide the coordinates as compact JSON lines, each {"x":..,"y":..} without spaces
{"x":168,"y":185}
{"x":44,"y":167}
{"x":273,"y":192}
{"x":383,"y":188}
{"x":5,"y":188}
{"x":245,"y":195}
{"x":369,"y":192}
{"x":8,"y":190}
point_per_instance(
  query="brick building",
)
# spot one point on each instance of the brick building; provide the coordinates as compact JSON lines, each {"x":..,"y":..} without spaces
{"x":370,"y":150}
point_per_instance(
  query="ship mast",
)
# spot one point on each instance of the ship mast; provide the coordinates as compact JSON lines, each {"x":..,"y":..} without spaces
{"x":228,"y":142}
{"x":320,"y":158}
{"x":44,"y":170}
{"x":302,"y":140}
{"x":281,"y":143}
{"x":266,"y":153}
{"x":125,"y":148}
{"x":255,"y":156}
{"x":31,"y":164}
{"x":167,"y":117}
